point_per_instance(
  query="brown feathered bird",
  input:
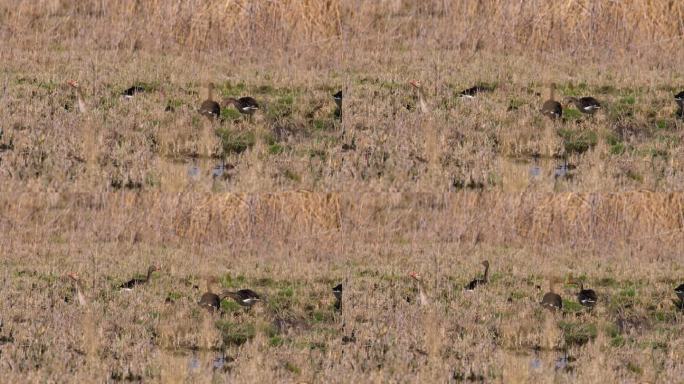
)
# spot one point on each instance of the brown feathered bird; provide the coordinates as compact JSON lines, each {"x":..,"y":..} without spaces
{"x":209,"y":299}
{"x":209,"y":107}
{"x":79,"y":94}
{"x":477,"y":281}
{"x":134,"y":282}
{"x":551,"y":107}
{"x":79,"y":288}
{"x":551,"y":299}
{"x":244,"y":297}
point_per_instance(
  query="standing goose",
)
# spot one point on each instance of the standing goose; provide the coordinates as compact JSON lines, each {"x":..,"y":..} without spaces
{"x":471,"y":92}
{"x":209,"y":299}
{"x":338,"y":101}
{"x":551,"y":299}
{"x":79,"y":289}
{"x":680,"y":293}
{"x":422,"y":297}
{"x":209,"y":107}
{"x":245,"y":105}
{"x":587,"y":105}
{"x":551,"y":107}
{"x":586,"y":297}
{"x":337,"y":292}
{"x":134,"y":282}
{"x":679,"y":99}
{"x":477,"y":282}
{"x":79,"y":94}
{"x":421,"y":95}
{"x":244,"y":297}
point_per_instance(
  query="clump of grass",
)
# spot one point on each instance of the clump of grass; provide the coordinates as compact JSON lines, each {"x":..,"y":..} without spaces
{"x":578,"y":141}
{"x":234,"y":141}
{"x":577,"y":333}
{"x":235,"y":333}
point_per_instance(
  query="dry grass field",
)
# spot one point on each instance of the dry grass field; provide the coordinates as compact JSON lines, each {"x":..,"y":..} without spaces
{"x":299,"y":197}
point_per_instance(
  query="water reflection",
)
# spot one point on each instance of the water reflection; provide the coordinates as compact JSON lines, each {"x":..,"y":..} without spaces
{"x":207,"y":361}
{"x":218,"y":170}
{"x":194,"y":172}
{"x":557,"y":360}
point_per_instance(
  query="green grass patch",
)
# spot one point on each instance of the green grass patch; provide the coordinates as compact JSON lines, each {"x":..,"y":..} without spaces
{"x":173,"y":296}
{"x":570,"y":306}
{"x":292,"y":176}
{"x":276,"y":149}
{"x":291,"y":367}
{"x":571,"y":114}
{"x":235,"y":333}
{"x":276,"y":341}
{"x":234,"y":141}
{"x":321,"y":316}
{"x":634,"y":368}
{"x":230,"y":306}
{"x":230,"y":114}
{"x":577,"y":333}
{"x":576,"y":141}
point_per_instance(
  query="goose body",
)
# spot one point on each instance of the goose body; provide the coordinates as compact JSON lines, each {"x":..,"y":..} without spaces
{"x":421,"y":96}
{"x":79,"y":291}
{"x":477,"y":281}
{"x":551,"y":299}
{"x":587,"y":297}
{"x":679,"y":98}
{"x":246,"y":105}
{"x":422,"y":296}
{"x":79,"y":94}
{"x":680,"y":292}
{"x":244,"y":297}
{"x":130,"y":92}
{"x":209,"y":299}
{"x":338,"y":99}
{"x":471,"y":92}
{"x":337,"y":292}
{"x":338,"y":102}
{"x":587,"y":105}
{"x":551,"y":107}
{"x":134,"y":282}
{"x":209,"y":107}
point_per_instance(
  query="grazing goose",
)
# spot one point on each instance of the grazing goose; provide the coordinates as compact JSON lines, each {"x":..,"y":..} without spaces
{"x":134,"y":282}
{"x":471,"y":92}
{"x":679,"y":99}
{"x":421,"y":95}
{"x":338,"y":101}
{"x":422,"y":297}
{"x":680,"y":292}
{"x":79,"y":290}
{"x":586,"y":297}
{"x":245,"y":105}
{"x":552,"y":300}
{"x":209,"y":107}
{"x":477,"y":282}
{"x":587,"y":105}
{"x":79,"y":94}
{"x":244,"y":297}
{"x":337,"y":292}
{"x":130,"y":92}
{"x":209,"y":299}
{"x":551,"y":107}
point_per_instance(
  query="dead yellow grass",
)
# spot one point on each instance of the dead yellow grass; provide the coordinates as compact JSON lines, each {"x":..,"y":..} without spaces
{"x":634,"y":25}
